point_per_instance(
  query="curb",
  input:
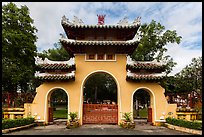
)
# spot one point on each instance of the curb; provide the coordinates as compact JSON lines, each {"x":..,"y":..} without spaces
{"x":183,"y":129}
{"x":16,"y":128}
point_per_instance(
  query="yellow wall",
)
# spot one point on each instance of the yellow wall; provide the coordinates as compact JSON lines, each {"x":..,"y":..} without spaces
{"x":126,"y":89}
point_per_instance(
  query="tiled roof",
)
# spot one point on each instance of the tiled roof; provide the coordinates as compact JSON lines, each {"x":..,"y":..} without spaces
{"x":118,"y":47}
{"x":112,"y":43}
{"x":55,"y":77}
{"x":131,"y":64}
{"x":130,"y":26}
{"x":146,"y":77}
{"x":49,"y":76}
{"x":145,"y":66}
{"x":56,"y":66}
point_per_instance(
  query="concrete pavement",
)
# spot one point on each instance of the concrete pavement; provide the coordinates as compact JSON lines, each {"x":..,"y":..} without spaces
{"x":90,"y":129}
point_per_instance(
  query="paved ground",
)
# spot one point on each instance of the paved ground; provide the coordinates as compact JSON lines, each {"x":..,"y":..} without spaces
{"x":60,"y":129}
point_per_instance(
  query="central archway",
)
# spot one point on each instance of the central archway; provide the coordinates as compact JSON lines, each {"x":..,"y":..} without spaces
{"x":100,"y":99}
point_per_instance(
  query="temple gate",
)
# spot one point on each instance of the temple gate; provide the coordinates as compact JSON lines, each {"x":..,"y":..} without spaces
{"x":107,"y":49}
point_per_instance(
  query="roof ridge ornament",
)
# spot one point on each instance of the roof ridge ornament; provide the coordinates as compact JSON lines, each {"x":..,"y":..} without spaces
{"x":137,"y":21}
{"x":123,"y":21}
{"x":77,"y":21}
{"x":40,"y":61}
{"x":65,"y":20}
{"x":101,"y":19}
{"x":62,"y":36}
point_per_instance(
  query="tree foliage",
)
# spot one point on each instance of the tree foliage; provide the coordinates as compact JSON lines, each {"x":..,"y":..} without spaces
{"x":191,"y":76}
{"x":56,"y":54}
{"x":99,"y":87}
{"x":18,"y":48}
{"x":187,"y":80}
{"x":153,"y":44}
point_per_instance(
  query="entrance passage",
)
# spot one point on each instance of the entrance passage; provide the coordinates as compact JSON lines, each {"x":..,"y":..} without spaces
{"x":57,"y":106}
{"x":100,"y":99}
{"x":141,"y":106}
{"x":100,"y":113}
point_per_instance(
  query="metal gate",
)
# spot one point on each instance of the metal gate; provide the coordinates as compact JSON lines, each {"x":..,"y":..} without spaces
{"x":100,"y":114}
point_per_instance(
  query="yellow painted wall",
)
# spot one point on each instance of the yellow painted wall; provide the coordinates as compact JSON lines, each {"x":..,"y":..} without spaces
{"x":126,"y":89}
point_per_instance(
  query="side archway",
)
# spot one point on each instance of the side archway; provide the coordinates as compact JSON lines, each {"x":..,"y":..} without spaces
{"x":48,"y":115}
{"x":143,"y":104}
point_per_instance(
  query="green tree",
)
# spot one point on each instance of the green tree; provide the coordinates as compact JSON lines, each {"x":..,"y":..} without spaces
{"x":100,"y":86}
{"x":18,"y":48}
{"x":58,"y":53}
{"x":191,"y":76}
{"x":153,"y":44}
{"x":188,"y":80}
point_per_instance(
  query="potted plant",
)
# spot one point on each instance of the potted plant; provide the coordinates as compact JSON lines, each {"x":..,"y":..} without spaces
{"x":73,"y":122}
{"x":127,"y":122}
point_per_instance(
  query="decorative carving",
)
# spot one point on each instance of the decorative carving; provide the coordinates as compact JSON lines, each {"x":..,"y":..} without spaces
{"x":38,"y":60}
{"x":137,"y":21}
{"x":37,"y":73}
{"x":77,"y":21}
{"x":65,"y":20}
{"x":62,"y":36}
{"x":123,"y":21}
{"x":101,"y":19}
{"x":47,"y":61}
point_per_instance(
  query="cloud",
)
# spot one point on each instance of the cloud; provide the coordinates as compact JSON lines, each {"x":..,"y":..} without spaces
{"x":182,"y":56}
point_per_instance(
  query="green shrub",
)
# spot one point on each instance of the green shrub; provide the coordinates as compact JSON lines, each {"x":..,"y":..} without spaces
{"x":184,"y":123}
{"x":11,"y":123}
{"x":127,"y":116}
{"x":127,"y":122}
{"x":73,"y":115}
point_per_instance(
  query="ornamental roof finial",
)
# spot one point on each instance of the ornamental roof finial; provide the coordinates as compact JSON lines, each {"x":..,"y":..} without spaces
{"x":101,"y":19}
{"x":137,"y":21}
{"x":77,"y":21}
{"x":123,"y":21}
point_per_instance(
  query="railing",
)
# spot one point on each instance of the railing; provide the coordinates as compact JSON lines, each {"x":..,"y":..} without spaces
{"x":13,"y":113}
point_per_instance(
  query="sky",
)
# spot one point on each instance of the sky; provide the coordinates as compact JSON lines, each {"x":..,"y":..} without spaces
{"x":184,"y":17}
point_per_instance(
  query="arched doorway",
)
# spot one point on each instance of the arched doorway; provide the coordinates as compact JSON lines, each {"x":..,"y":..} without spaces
{"x":100,"y":103}
{"x":57,"y":106}
{"x":142,"y":105}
